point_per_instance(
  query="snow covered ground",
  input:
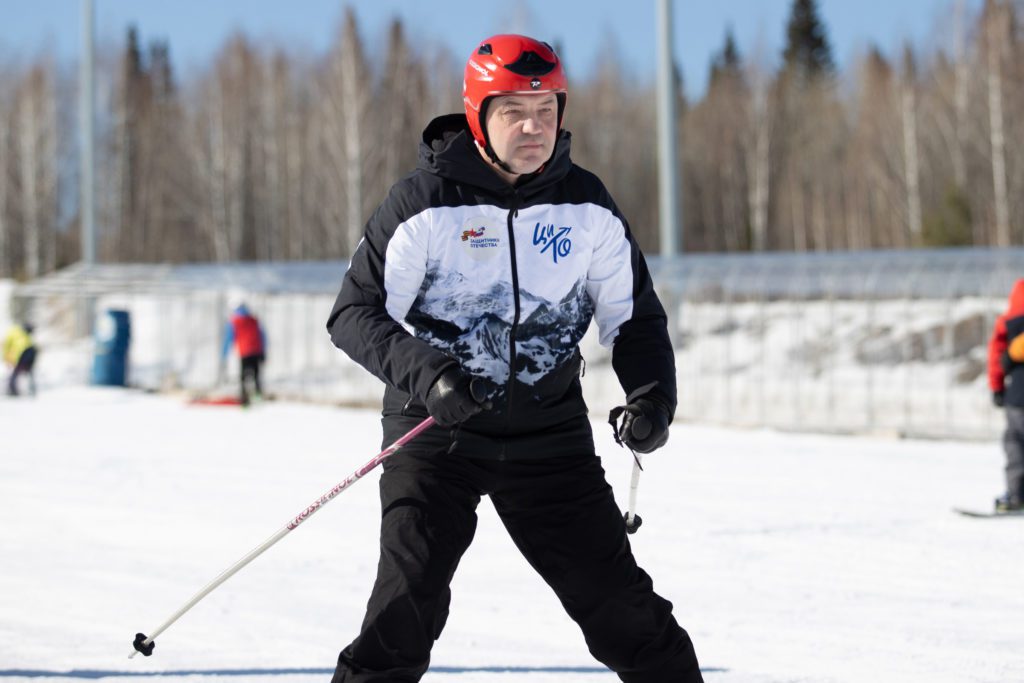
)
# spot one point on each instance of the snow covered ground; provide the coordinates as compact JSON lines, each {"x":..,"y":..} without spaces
{"x":788,"y":557}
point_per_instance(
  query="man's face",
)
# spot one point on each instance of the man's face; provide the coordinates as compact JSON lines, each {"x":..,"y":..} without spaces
{"x":522,"y":130}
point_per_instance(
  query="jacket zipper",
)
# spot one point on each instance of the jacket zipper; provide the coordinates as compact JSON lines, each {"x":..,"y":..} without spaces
{"x":513,"y":212}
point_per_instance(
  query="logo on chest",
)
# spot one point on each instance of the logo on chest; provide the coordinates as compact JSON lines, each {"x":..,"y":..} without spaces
{"x":480,"y":238}
{"x":552,"y":240}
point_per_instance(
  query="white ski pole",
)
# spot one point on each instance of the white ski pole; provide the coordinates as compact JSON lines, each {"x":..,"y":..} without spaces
{"x":633,"y":520}
{"x":640,"y":428}
{"x":145,"y":644}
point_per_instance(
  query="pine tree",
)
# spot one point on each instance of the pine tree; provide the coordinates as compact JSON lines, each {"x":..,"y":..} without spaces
{"x":807,"y":52}
{"x":727,"y":62}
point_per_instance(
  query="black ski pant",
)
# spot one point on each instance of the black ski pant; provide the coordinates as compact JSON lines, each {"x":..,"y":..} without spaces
{"x":26,"y":361}
{"x":1013,"y":444}
{"x":250,"y":372}
{"x":562,"y":516}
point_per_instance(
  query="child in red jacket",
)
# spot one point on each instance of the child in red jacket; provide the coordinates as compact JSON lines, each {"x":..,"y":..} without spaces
{"x":1006,"y":379}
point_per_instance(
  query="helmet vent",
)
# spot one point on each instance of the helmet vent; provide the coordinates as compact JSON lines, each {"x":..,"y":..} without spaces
{"x":531,"y":64}
{"x":485,"y":49}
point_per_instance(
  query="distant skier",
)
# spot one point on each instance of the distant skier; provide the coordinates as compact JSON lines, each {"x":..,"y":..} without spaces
{"x":468,"y":296}
{"x":19,"y":351}
{"x":245,"y":333}
{"x":1006,"y":379}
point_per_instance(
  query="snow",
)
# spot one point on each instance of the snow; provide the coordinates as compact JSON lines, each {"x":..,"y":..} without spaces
{"x":788,"y":557}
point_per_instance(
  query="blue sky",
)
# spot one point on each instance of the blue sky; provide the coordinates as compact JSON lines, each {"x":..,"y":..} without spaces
{"x":195,"y":28}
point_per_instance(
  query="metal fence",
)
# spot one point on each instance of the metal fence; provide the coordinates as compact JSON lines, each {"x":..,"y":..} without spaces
{"x":864,"y":342}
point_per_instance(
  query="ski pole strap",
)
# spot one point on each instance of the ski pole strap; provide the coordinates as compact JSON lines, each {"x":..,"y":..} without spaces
{"x":620,"y":411}
{"x":613,"y":420}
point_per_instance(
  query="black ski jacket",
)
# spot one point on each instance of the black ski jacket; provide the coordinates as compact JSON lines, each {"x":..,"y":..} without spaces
{"x":459,"y":267}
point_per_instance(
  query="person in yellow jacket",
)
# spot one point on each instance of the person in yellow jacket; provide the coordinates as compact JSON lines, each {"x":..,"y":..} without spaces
{"x":20,"y":356}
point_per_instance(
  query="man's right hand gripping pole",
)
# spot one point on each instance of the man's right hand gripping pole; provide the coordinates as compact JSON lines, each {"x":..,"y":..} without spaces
{"x":455,"y":397}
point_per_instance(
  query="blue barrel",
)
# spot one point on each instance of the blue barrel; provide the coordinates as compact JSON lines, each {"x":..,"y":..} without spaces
{"x":113,"y":337}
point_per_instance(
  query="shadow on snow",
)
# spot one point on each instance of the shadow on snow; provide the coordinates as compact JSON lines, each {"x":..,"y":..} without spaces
{"x":93,"y":674}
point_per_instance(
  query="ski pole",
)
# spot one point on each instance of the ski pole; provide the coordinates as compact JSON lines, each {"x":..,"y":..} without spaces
{"x":640,"y":428}
{"x":633,"y":520}
{"x":145,"y":644}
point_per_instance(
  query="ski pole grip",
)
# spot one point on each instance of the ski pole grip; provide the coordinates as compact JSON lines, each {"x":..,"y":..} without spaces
{"x":633,"y":523}
{"x":640,"y":427}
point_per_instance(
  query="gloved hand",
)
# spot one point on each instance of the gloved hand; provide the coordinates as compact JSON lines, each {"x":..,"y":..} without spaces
{"x":644,"y":426}
{"x":455,"y":397}
{"x":1006,"y":362}
{"x":998,"y":398}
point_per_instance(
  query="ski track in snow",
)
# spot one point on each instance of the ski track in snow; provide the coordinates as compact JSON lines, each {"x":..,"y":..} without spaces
{"x":789,"y":558}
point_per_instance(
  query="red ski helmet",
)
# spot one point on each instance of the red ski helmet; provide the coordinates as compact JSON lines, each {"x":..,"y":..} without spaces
{"x":509,"y":64}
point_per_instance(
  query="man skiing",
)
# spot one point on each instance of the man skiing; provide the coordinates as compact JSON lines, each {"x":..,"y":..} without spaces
{"x":474,"y":283}
{"x":1006,"y":380}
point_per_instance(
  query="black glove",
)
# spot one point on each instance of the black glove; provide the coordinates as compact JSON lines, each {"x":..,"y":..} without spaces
{"x":998,"y":398}
{"x":644,"y":426}
{"x":1006,"y":363}
{"x":455,"y":397}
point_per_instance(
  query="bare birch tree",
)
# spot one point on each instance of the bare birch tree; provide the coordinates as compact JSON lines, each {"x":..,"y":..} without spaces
{"x":402,"y":92}
{"x":908,"y":110}
{"x":997,"y":30}
{"x":597,"y":112}
{"x":874,"y":138}
{"x":301,"y":163}
{"x":760,"y":131}
{"x":355,"y":90}
{"x":961,"y":79}
{"x":37,"y":153}
{"x":7,"y":238}
{"x":274,"y":100}
{"x":222,"y":151}
{"x":1013,"y":104}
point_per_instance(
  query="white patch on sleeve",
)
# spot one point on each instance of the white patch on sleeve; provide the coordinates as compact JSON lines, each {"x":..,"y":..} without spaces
{"x":610,"y":279}
{"x":405,"y":263}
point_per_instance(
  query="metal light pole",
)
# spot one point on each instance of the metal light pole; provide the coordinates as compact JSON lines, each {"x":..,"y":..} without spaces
{"x":86,"y":122}
{"x":668,"y":167}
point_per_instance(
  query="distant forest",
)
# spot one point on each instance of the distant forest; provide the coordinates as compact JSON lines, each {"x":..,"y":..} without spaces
{"x":269,"y":154}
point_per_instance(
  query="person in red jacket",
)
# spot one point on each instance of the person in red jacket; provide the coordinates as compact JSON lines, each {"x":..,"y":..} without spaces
{"x":246,"y":335}
{"x":1006,"y":379}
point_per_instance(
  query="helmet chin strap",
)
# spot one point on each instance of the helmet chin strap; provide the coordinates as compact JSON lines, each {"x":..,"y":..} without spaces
{"x":493,"y":156}
{"x":502,"y":165}
{"x":488,"y":150}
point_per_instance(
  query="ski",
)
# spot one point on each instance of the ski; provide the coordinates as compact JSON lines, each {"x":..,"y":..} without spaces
{"x":989,"y":513}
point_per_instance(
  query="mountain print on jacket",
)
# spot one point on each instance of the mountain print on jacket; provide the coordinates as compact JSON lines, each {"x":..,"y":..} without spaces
{"x":475,"y":326}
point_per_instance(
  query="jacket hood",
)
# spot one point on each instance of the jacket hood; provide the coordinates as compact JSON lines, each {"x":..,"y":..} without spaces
{"x":447,"y":150}
{"x":1016,"y":303}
